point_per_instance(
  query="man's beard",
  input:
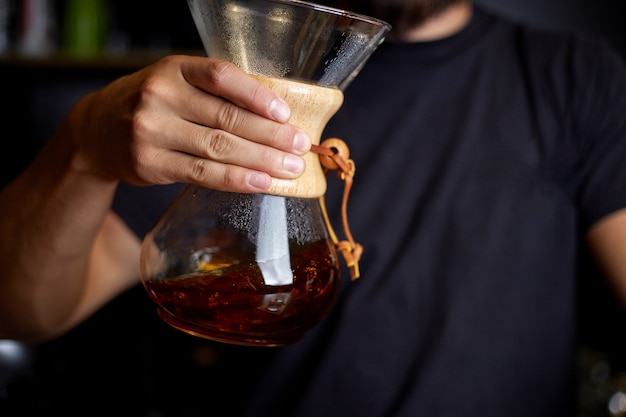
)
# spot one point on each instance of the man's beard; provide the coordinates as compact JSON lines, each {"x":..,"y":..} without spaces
{"x":403,"y":15}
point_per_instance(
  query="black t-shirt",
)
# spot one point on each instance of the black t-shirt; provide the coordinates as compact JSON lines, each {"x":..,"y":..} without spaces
{"x":481,"y":160}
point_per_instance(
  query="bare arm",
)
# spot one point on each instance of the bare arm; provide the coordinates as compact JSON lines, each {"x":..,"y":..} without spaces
{"x":607,"y":240}
{"x":184,"y":119}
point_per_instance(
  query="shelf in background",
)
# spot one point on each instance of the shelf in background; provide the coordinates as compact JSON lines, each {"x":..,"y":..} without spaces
{"x":128,"y":61}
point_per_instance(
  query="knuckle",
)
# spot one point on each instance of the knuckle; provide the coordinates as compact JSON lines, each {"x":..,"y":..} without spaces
{"x":142,"y":156}
{"x":203,"y":171}
{"x":229,"y":117}
{"x":219,"y":71}
{"x":219,"y":145}
{"x":143,"y":163}
{"x":142,"y":160}
{"x":230,"y":180}
{"x":149,"y":87}
{"x":171,"y":59}
{"x":282,"y":136}
{"x":199,"y":170}
{"x":139,"y":127}
{"x":261,"y":93}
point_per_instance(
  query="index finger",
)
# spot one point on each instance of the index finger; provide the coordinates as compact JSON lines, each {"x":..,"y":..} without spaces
{"x":225,"y":79}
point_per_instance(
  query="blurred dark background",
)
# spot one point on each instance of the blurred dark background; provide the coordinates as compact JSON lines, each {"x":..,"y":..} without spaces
{"x":47,"y":61}
{"x":603,"y":17}
{"x":45,"y":66}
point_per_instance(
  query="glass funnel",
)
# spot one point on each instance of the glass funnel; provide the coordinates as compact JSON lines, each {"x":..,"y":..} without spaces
{"x":261,"y":269}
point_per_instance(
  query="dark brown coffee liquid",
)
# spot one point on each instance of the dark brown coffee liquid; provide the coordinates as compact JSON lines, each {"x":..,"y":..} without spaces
{"x":234,"y":305}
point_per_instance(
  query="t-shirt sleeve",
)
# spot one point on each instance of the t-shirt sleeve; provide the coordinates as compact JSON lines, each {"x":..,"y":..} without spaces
{"x":600,"y":121}
{"x":142,"y":207}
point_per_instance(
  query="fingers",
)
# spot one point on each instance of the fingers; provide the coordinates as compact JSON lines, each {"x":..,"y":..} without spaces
{"x":227,"y":80}
{"x":217,"y":127}
{"x":216,"y":158}
{"x":218,"y":113}
{"x":194,"y":120}
{"x":215,"y":175}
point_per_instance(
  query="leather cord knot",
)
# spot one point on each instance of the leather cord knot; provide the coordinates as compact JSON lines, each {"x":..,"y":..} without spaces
{"x":334,"y":155}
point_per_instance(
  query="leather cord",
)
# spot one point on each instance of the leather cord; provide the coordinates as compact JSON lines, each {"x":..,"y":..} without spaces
{"x":334,"y":155}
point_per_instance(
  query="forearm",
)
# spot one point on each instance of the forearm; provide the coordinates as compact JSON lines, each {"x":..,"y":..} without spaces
{"x":181,"y":120}
{"x":607,"y":240}
{"x":49,"y":217}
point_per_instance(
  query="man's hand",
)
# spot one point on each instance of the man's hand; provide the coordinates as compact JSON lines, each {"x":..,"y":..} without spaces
{"x":188,"y":119}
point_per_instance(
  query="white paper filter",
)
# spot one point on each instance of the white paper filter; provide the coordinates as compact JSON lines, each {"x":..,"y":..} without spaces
{"x":272,"y":245}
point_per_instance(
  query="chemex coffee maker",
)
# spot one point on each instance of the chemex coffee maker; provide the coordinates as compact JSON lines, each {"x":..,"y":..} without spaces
{"x":262,"y":269}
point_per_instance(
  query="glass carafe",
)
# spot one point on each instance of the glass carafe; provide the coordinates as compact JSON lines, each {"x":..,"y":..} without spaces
{"x":261,"y":269}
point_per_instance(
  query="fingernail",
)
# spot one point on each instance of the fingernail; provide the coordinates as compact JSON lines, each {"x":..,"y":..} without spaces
{"x":261,"y":181}
{"x":293,"y":164}
{"x":279,"y":109}
{"x":301,"y":142}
